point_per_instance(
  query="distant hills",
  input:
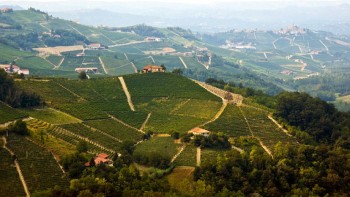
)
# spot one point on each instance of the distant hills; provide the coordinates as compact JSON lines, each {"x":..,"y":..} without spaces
{"x":290,"y":58}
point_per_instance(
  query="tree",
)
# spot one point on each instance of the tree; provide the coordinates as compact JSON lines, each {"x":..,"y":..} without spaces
{"x":82,"y":75}
{"x":163,"y":67}
{"x":82,"y":147}
{"x":175,"y":135}
{"x":228,"y":96}
{"x":19,"y":127}
{"x":178,"y":71}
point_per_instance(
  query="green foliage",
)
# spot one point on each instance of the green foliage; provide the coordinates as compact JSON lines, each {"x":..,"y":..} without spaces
{"x":318,"y":118}
{"x":19,"y":127}
{"x":82,"y":147}
{"x":14,"y":96}
{"x":177,"y":71}
{"x":142,"y":30}
{"x":215,"y":140}
{"x":82,"y":75}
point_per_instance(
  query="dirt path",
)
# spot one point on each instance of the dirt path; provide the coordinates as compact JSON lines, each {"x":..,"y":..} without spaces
{"x":59,"y":64}
{"x":154,"y":62}
{"x":126,"y":91}
{"x":77,"y":30}
{"x":179,"y":106}
{"x":41,"y":24}
{"x":145,"y":122}
{"x":71,"y":91}
{"x":134,"y":67}
{"x":54,"y":155}
{"x":198,"y":157}
{"x":18,"y":168}
{"x":217,"y":115}
{"x":125,"y":124}
{"x":251,"y":132}
{"x":327,"y":49}
{"x":278,"y":125}
{"x":183,"y":62}
{"x":182,"y":148}
{"x":129,"y":43}
{"x":103,"y":65}
{"x":237,"y":98}
{"x":126,"y":57}
{"x":237,"y":149}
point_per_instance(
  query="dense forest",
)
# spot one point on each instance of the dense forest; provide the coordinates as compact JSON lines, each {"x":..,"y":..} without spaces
{"x":142,"y":30}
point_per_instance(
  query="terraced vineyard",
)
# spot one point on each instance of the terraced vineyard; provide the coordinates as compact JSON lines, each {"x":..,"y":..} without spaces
{"x":116,"y":129}
{"x":39,"y":168}
{"x":52,"y":116}
{"x":8,"y":114}
{"x":231,"y":122}
{"x":93,"y":135}
{"x":263,"y":128}
{"x":9,"y":179}
{"x":70,"y":139}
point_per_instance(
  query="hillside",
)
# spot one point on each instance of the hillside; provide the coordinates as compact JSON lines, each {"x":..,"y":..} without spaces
{"x":135,"y":119}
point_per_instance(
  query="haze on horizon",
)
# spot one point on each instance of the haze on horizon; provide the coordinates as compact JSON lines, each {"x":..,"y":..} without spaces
{"x":201,"y":15}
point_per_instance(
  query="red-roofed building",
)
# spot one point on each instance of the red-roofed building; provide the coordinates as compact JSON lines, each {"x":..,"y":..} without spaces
{"x":152,"y":69}
{"x":200,"y":131}
{"x":99,"y":159}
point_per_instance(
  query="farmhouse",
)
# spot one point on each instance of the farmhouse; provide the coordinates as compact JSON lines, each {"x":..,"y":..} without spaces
{"x":152,"y":39}
{"x":87,"y":70}
{"x":101,"y":158}
{"x":152,"y":69}
{"x":14,"y":69}
{"x":200,"y":131}
{"x":95,"y":46}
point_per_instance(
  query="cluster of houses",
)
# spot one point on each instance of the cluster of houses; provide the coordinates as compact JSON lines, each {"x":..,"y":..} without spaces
{"x":10,"y":68}
{"x":292,"y":30}
{"x":95,"y":46}
{"x":152,"y":69}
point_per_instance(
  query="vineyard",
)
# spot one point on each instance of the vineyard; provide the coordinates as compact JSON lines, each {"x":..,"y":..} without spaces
{"x":116,"y":129}
{"x":8,"y":114}
{"x":52,"y":116}
{"x":39,"y":168}
{"x":263,"y":128}
{"x":231,"y":122}
{"x":9,"y":179}
{"x":187,"y":157}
